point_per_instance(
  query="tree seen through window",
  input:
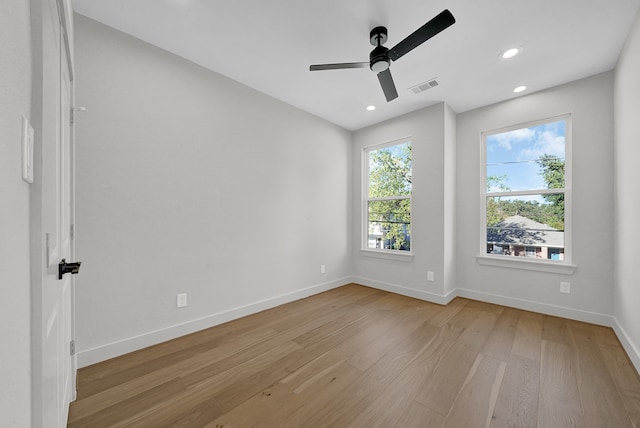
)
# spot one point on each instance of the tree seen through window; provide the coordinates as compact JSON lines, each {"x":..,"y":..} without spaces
{"x":389,"y":197}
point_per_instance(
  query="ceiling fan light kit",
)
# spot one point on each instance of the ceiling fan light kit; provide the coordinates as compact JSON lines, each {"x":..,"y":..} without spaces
{"x":380,"y":57}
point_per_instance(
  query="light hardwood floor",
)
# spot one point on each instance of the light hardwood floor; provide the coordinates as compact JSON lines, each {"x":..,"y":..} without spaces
{"x":359,"y":357}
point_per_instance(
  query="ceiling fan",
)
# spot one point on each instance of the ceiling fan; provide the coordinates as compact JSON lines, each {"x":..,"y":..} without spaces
{"x":380,"y":57}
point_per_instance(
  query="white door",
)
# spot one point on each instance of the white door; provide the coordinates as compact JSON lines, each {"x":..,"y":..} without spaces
{"x":57,"y":365}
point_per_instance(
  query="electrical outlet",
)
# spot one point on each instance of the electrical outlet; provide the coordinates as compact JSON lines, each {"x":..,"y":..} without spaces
{"x":430,"y":276}
{"x":323,"y":269}
{"x":565,"y":287}
{"x":181,"y":300}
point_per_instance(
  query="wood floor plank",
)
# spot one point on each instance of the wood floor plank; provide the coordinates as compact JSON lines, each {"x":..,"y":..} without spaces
{"x":556,"y":329}
{"x":517,"y":404}
{"x":483,"y":306}
{"x":359,"y":357}
{"x":445,"y":384}
{"x":448,"y":312}
{"x":476,"y":401}
{"x":301,"y":378}
{"x":419,"y":416}
{"x":559,"y":402}
{"x":500,"y":340}
{"x":528,"y":339}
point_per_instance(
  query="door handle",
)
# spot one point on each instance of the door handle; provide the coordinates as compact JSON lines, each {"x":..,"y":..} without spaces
{"x":64,"y":267}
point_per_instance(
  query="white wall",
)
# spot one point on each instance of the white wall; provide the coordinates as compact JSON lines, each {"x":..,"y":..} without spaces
{"x":429,"y":241}
{"x":188,"y":182}
{"x":15,"y":102}
{"x":590,"y":102}
{"x":627,"y":196}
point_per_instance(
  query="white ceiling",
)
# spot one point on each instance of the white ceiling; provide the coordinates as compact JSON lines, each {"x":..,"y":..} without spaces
{"x":269,"y":45}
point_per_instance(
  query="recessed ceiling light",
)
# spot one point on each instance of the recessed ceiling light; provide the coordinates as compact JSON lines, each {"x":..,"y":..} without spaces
{"x":510,"y":53}
{"x":371,"y":108}
{"x":520,"y":89}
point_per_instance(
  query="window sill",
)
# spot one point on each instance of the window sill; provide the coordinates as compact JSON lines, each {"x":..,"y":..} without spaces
{"x":522,"y":263}
{"x":402,"y":256}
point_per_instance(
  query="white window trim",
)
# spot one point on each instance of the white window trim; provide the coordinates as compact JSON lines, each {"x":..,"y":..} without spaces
{"x":402,"y":256}
{"x":526,"y":264}
{"x":364,"y":242}
{"x":565,"y":266}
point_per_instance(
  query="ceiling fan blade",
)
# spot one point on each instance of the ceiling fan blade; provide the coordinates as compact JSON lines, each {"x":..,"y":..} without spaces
{"x":388,"y":87}
{"x":442,"y":21}
{"x":319,"y":67}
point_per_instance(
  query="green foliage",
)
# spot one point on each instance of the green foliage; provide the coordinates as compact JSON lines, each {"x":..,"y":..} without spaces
{"x":390,"y":175}
{"x":498,"y":210}
{"x":497,"y":182}
{"x":552,"y":170}
{"x":390,"y":171}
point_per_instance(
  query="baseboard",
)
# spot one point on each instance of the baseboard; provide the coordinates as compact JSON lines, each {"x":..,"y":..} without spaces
{"x":632,"y":350}
{"x":121,"y":347}
{"x":543,"y":308}
{"x":406,"y":291}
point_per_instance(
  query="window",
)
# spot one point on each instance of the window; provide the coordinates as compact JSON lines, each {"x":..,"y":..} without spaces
{"x":388,"y":196}
{"x":526,"y":201}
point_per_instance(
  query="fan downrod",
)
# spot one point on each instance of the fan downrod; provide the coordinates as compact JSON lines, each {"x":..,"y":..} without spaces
{"x":378,"y":36}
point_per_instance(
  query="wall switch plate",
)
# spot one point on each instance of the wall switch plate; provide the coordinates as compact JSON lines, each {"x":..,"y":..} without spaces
{"x":430,"y":276}
{"x":182,"y":300}
{"x":323,"y":269}
{"x":27,"y":151}
{"x":565,"y":287}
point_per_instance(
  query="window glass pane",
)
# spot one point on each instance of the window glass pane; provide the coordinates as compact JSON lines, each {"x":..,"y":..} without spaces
{"x":389,"y":224}
{"x":526,"y":226}
{"x":390,"y":171}
{"x":527,"y":158}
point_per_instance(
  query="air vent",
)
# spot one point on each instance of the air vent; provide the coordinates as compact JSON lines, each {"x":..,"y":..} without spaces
{"x":431,"y":83}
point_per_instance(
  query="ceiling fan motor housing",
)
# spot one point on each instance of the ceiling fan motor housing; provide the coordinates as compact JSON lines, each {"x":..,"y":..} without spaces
{"x":378,"y":58}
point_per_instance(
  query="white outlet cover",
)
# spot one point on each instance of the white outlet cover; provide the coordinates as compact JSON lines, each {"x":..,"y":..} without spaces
{"x":182,"y":300}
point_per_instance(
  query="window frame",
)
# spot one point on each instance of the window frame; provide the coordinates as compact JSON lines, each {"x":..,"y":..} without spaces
{"x":364,"y":246}
{"x":558,"y":266}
